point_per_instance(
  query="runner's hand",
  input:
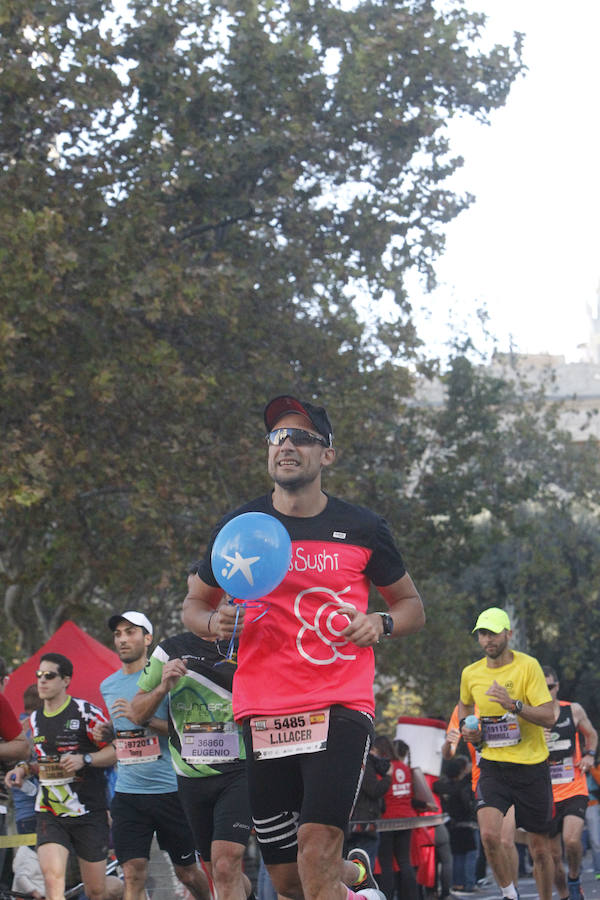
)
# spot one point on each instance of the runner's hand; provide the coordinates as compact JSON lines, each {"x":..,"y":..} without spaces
{"x":362,"y":630}
{"x":584,"y":765}
{"x":499,"y":694}
{"x":122,"y":707}
{"x":71,"y":762}
{"x":172,"y":671}
{"x":222,"y":623}
{"x":15,"y":777}
{"x":102,"y":733}
{"x":472,"y":735}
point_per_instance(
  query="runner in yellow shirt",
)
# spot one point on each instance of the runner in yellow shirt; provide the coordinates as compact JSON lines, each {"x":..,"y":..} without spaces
{"x":515,"y":705}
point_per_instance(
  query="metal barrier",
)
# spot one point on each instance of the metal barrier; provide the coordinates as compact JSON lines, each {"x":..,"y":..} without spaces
{"x":404,"y":824}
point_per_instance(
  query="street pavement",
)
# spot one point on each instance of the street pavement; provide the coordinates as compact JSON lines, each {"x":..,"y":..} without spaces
{"x":528,"y":891}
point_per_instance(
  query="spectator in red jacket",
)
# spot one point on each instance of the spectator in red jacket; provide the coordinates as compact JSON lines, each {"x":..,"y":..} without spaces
{"x":398,"y":805}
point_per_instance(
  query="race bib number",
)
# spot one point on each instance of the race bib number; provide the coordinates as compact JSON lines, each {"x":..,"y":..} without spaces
{"x":135,"y":747}
{"x":287,"y":735}
{"x":563,"y":771}
{"x":501,"y":731}
{"x":210,"y":742}
{"x":52,"y":773}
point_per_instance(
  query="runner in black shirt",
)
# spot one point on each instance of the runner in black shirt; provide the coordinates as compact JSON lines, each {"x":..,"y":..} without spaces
{"x":71,"y":806}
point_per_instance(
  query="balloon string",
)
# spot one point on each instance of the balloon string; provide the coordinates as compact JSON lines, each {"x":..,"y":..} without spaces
{"x":247,"y":604}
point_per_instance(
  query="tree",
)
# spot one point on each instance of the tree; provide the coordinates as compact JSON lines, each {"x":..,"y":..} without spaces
{"x":495,"y":506}
{"x":190,"y":200}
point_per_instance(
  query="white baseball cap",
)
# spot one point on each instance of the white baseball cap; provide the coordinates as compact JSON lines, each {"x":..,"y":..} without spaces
{"x":136,"y":618}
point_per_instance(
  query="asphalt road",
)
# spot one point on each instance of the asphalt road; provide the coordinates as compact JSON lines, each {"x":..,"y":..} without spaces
{"x":528,"y":891}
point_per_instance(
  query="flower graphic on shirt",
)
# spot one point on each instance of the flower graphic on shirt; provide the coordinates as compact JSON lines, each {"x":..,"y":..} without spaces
{"x":319,"y":639}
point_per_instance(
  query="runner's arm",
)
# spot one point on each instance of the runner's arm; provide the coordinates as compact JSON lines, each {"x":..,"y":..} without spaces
{"x":585,"y":727}
{"x":207,"y":612}
{"x":452,"y":736}
{"x":101,"y":759}
{"x":17,"y":748}
{"x":451,"y":743}
{"x":544,"y":714}
{"x":464,"y":710}
{"x":160,"y":726}
{"x":145,"y":704}
{"x":404,"y":606}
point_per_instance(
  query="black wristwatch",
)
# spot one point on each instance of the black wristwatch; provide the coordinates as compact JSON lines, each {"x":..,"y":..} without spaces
{"x":87,"y":759}
{"x":517,"y":707}
{"x":388,"y":623}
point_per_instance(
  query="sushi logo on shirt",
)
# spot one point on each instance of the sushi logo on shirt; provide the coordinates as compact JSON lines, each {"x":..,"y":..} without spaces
{"x":319,"y":639}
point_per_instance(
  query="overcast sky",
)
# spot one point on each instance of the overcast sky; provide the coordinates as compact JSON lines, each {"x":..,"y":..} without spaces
{"x":529,"y":246}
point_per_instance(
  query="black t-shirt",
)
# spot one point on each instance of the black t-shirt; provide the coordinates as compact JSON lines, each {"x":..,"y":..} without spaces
{"x":69,"y":730}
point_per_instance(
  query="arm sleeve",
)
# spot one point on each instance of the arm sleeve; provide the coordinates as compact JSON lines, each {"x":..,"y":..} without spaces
{"x":536,"y":691}
{"x":151,"y":675}
{"x":465,"y":690}
{"x":372,"y":786}
{"x":386,"y":564}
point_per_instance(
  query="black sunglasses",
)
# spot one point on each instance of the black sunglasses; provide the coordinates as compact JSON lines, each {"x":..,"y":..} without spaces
{"x":298,"y":436}
{"x":553,"y":685}
{"x":47,"y":676}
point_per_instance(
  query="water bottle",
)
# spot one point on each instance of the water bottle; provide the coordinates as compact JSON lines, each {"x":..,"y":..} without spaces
{"x":29,"y":787}
{"x":472,"y":723}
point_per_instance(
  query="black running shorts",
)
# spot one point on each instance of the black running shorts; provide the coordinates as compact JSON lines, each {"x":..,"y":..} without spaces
{"x":321,"y":787}
{"x":137,"y":817}
{"x":570,"y":806}
{"x":217,"y":808}
{"x":87,"y":835}
{"x":528,"y":787}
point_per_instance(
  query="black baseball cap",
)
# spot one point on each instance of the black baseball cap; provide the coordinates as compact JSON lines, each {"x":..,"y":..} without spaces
{"x":283,"y":404}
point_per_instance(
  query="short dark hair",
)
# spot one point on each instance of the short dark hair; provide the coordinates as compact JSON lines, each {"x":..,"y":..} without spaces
{"x":550,"y":673}
{"x":382,"y":743}
{"x":31,"y":698}
{"x":402,"y":749}
{"x":65,"y":666}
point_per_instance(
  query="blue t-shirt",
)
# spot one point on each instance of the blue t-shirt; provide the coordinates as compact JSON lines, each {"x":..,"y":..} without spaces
{"x":142,"y":778}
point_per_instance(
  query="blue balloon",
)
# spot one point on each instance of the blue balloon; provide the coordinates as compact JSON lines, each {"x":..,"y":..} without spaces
{"x":251,"y":555}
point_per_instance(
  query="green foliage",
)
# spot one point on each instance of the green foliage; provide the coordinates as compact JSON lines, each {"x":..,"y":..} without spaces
{"x":191,"y":199}
{"x":493,"y":506}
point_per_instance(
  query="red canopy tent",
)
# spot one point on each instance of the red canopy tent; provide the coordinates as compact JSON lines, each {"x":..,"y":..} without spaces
{"x":92,"y":662}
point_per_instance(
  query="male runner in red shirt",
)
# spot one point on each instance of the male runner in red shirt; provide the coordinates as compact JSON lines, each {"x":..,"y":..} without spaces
{"x":308,"y":666}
